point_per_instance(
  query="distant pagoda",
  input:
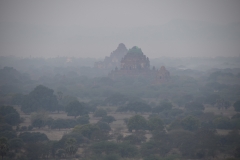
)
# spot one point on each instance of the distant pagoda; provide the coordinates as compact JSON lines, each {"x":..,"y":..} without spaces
{"x":135,"y":64}
{"x":135,"y":59}
{"x":114,"y":59}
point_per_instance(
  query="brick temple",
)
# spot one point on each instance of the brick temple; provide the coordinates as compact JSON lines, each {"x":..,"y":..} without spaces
{"x":135,"y":64}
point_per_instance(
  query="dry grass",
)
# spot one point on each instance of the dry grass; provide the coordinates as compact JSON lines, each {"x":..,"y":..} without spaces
{"x":225,"y":112}
{"x":117,"y":126}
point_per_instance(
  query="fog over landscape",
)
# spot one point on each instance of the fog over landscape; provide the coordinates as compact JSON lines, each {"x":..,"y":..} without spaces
{"x":120,"y":80}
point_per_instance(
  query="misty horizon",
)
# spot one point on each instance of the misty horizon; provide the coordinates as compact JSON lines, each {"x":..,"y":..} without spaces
{"x":94,"y":29}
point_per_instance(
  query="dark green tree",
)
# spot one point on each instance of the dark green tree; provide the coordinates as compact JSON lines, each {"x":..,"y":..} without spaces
{"x":71,"y":146}
{"x":15,"y":144}
{"x":12,"y":119}
{"x":137,"y":122}
{"x":83,"y":119}
{"x":236,"y":106}
{"x":103,"y":126}
{"x":86,"y":130}
{"x":126,"y":150}
{"x":155,"y":123}
{"x":136,"y":138}
{"x":104,"y":147}
{"x":108,"y":119}
{"x":4,"y":149}
{"x":10,"y":115}
{"x":39,"y":119}
{"x":190,"y":123}
{"x":75,"y":109}
{"x":41,"y":98}
{"x":33,"y":137}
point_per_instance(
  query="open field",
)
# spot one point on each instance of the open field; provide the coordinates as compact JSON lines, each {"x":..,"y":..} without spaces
{"x":117,"y":126}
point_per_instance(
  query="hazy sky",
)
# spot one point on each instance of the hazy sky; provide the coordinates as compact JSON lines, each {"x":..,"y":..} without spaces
{"x":94,"y":28}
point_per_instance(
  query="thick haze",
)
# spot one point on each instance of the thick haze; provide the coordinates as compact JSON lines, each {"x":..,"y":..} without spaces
{"x":95,"y":28}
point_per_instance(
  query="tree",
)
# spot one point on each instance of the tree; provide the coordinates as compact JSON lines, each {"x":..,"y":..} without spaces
{"x":83,"y":119}
{"x":71,"y":146}
{"x":104,"y":147}
{"x":100,"y":113}
{"x":8,"y":134}
{"x":136,"y":138}
{"x":39,"y":119}
{"x":86,"y":130}
{"x":60,"y":153}
{"x":190,"y":123}
{"x":59,"y":123}
{"x":138,"y":106}
{"x":3,"y":147}
{"x":35,"y":150}
{"x":33,"y":137}
{"x":16,"y":144}
{"x":222,"y":122}
{"x":137,"y":122}
{"x":5,"y":110}
{"x":164,"y":105}
{"x":126,"y":150}
{"x":236,"y":106}
{"x":10,"y":115}
{"x":41,"y":98}
{"x":108,"y":119}
{"x":12,"y":119}
{"x":75,"y":108}
{"x":5,"y":127}
{"x":155,"y":123}
{"x":154,"y":148}
{"x":103,"y":126}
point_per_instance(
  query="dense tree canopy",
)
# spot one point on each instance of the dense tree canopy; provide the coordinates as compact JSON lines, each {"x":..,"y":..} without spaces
{"x":10,"y":115}
{"x":41,"y":98}
{"x":236,"y":106}
{"x":75,"y":108}
{"x":137,"y":122}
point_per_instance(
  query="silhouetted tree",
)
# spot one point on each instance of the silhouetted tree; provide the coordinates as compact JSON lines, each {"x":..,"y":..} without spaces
{"x":41,"y":98}
{"x":75,"y":109}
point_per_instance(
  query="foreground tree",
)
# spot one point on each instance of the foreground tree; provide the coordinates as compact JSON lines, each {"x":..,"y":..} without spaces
{"x":3,"y":147}
{"x":41,"y":98}
{"x":39,"y":119}
{"x":75,"y":108}
{"x":10,"y":115}
{"x":137,"y":122}
{"x":71,"y":146}
{"x":15,"y":144}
